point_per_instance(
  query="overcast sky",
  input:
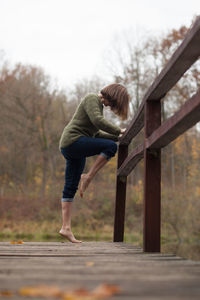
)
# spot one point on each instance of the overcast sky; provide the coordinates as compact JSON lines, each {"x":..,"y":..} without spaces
{"x":69,"y":38}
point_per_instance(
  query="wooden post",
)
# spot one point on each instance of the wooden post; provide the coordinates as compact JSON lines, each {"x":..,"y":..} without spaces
{"x":152,"y":181}
{"x":120,"y":202}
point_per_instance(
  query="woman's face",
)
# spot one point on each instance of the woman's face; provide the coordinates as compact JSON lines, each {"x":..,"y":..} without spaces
{"x":105,"y":102}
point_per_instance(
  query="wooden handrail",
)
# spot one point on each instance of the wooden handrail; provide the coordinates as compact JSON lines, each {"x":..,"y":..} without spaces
{"x":131,"y":161}
{"x":156,"y":136}
{"x":182,"y":59}
{"x":182,"y":120}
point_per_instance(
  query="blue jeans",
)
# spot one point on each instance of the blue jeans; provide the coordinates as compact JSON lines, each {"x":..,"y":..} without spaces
{"x":75,"y":155}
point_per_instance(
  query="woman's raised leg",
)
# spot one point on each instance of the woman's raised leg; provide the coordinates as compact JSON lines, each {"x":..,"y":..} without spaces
{"x":88,"y":146}
{"x":86,"y":178}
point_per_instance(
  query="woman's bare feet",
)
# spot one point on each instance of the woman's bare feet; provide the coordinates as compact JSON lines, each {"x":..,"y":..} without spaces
{"x":67,"y":233}
{"x":85,"y":180}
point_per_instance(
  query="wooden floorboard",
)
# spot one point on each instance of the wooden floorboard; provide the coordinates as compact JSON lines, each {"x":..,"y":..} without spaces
{"x":139,"y":275}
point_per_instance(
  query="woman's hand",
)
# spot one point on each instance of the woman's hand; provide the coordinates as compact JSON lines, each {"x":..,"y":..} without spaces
{"x":122,"y":132}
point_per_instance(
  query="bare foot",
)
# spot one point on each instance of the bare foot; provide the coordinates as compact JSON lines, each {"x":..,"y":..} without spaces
{"x":85,"y":180}
{"x":69,"y":235}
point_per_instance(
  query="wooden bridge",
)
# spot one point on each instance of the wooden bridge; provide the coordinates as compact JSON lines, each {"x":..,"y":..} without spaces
{"x":134,"y":273}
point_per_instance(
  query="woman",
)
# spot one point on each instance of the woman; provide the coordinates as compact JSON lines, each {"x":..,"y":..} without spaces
{"x":88,"y":134}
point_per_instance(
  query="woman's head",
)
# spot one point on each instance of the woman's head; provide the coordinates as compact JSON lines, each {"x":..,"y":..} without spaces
{"x":118,"y":99}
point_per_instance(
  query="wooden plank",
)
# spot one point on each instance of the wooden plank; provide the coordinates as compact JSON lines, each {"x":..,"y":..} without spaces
{"x":134,"y":126}
{"x":131,"y":161}
{"x":152,"y":182}
{"x":138,"y":275}
{"x":182,"y":120}
{"x":120,"y":202}
{"x":182,"y":59}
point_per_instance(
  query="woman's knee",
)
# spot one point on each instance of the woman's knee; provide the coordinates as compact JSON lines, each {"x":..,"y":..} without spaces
{"x":113,"y":147}
{"x":110,"y":150}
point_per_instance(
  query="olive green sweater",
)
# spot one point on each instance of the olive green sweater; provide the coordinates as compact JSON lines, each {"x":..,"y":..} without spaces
{"x":88,"y":121}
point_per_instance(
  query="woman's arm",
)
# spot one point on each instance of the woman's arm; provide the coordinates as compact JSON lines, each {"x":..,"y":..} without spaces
{"x":93,"y":109}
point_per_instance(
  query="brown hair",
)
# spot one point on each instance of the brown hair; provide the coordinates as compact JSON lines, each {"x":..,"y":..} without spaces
{"x":118,"y":99}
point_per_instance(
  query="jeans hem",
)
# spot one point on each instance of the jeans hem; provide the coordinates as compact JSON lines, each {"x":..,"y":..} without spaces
{"x":67,"y":199}
{"x":105,"y":155}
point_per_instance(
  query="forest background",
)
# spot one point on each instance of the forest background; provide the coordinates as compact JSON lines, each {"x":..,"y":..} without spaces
{"x":32,"y":116}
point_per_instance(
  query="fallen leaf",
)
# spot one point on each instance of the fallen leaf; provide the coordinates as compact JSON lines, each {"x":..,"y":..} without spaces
{"x":17,"y":242}
{"x":6,"y":293}
{"x":105,"y":290}
{"x":77,"y":294}
{"x":41,"y":291}
{"x":73,"y":296}
{"x":46,"y":291}
{"x":101,"y":291}
{"x":67,"y":296}
{"x":82,"y":292}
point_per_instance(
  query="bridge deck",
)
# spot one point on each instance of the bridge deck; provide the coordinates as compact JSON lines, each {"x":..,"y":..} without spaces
{"x":139,"y":275}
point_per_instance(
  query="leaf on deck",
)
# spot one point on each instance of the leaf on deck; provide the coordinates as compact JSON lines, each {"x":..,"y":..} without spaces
{"x":6,"y":293}
{"x":16,"y":242}
{"x":106,"y":290}
{"x":40,"y":291}
{"x":46,"y":291}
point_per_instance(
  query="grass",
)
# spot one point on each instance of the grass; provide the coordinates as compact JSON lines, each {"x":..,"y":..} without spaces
{"x":46,"y":230}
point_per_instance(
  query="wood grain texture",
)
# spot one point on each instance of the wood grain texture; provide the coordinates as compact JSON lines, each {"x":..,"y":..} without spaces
{"x":120,"y":201}
{"x":152,"y":182}
{"x":139,"y":275}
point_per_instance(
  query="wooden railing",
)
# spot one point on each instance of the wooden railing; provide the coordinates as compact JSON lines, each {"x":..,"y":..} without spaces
{"x":156,"y":136}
